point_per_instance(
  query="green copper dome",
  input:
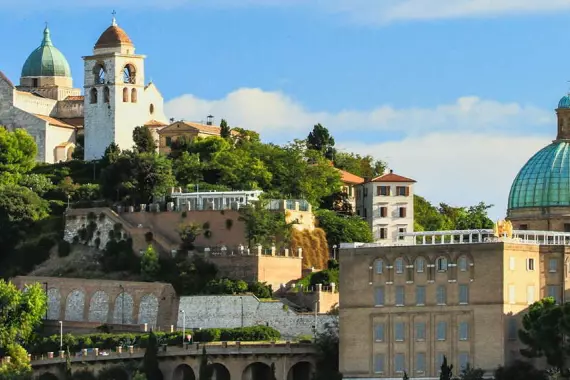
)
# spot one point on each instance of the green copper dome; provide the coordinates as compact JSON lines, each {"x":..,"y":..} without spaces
{"x":46,"y":61}
{"x":544,"y":180}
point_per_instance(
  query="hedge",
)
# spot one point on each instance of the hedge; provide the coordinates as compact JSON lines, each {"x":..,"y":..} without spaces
{"x":112,"y":341}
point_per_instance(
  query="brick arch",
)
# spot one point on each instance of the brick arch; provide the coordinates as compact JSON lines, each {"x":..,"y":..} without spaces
{"x":258,"y":370}
{"x":75,"y":305}
{"x":148,"y":310}
{"x":123,"y":310}
{"x":183,"y":372}
{"x":54,"y":304}
{"x":302,"y":370}
{"x":99,"y":307}
{"x":221,"y":372}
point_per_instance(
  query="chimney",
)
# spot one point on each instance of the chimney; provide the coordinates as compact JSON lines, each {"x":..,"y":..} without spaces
{"x":391,"y":171}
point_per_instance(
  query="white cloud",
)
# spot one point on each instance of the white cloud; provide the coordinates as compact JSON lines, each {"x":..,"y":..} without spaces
{"x":461,"y":153}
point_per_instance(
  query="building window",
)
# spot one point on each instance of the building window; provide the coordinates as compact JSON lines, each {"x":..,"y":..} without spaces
{"x":420,"y":295}
{"x":93,"y":96}
{"x":402,"y":212}
{"x":379,"y":332}
{"x":402,"y":191}
{"x":99,"y":74}
{"x":106,"y":95}
{"x":463,"y":360}
{"x":365,"y":213}
{"x":382,"y":211}
{"x":554,"y":292}
{"x":399,"y":264}
{"x":379,"y":296}
{"x":168,"y":141}
{"x":420,"y":265}
{"x":441,"y":296}
{"x":134,"y":95}
{"x":379,"y":363}
{"x":401,"y":230}
{"x":420,"y":362}
{"x":421,"y":331}
{"x":566,"y":227}
{"x":35,"y":82}
{"x":441,"y":330}
{"x":529,"y":264}
{"x":399,"y":333}
{"x":512,"y":294}
{"x":463,"y":294}
{"x":383,"y":190}
{"x":439,"y":362}
{"x":379,"y":266}
{"x":462,"y":264}
{"x":530,"y":294}
{"x":523,"y":227}
{"x":441,"y":264}
{"x":125,"y":95}
{"x":400,"y":296}
{"x":399,"y":360}
{"x":552,"y":265}
{"x":511,"y":263}
{"x":129,"y":74}
{"x":463,"y":331}
{"x":512,"y":329}
{"x":383,"y":233}
{"x":151,"y":109}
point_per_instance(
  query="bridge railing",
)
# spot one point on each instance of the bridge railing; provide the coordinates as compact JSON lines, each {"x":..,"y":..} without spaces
{"x":218,"y":348}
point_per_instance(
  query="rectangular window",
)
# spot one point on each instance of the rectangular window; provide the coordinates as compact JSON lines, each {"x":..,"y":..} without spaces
{"x":523,"y":227}
{"x":529,"y":264}
{"x":383,"y":212}
{"x":463,"y":360}
{"x":379,"y":363}
{"x":379,"y":266}
{"x":383,"y":190}
{"x":512,"y":263}
{"x":401,"y":230}
{"x":512,"y":329}
{"x":441,"y":295}
{"x":399,"y":264}
{"x":512,"y":294}
{"x":463,"y":294}
{"x":420,"y":295}
{"x":399,"y":333}
{"x":420,"y":362}
{"x":552,"y":265}
{"x":379,"y":296}
{"x":441,"y":330}
{"x":530,"y":294}
{"x":566,"y":227}
{"x":420,"y":331}
{"x":402,"y":211}
{"x":554,"y":292}
{"x":379,"y":332}
{"x":402,"y":191}
{"x":420,"y":265}
{"x":399,"y":360}
{"x":168,"y":141}
{"x":383,"y":233}
{"x":463,"y":331}
{"x":399,"y":296}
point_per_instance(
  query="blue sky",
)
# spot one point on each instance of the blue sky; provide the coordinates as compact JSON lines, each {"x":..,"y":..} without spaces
{"x":457,"y":94}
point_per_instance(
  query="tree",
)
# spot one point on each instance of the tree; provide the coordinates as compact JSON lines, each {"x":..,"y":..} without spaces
{"x":321,"y":140}
{"x":19,"y":367}
{"x":273,"y":372}
{"x":150,"y":359}
{"x":22,"y":312}
{"x":446,"y":371}
{"x":343,"y":229}
{"x":363,"y":166}
{"x":188,"y":169}
{"x":225,"y":130}
{"x":149,"y":264}
{"x":144,"y":140}
{"x":405,"y":377}
{"x":470,"y":373}
{"x":263,"y":226}
{"x":17,"y":151}
{"x":79,"y":151}
{"x":111,"y":155}
{"x":206,"y":371}
{"x":544,"y":328}
{"x":520,"y":370}
{"x":327,"y":345}
{"x":38,"y":183}
{"x":188,"y":234}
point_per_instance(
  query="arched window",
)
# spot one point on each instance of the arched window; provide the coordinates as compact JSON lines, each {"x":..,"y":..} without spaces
{"x":399,"y":265}
{"x":106,"y":95}
{"x":125,"y":95}
{"x":151,"y":109}
{"x":129,"y":74}
{"x":420,"y":265}
{"x":441,"y":264}
{"x":93,"y":96}
{"x":99,"y":73}
{"x":134,"y":95}
{"x":463,"y":264}
{"x":379,"y":266}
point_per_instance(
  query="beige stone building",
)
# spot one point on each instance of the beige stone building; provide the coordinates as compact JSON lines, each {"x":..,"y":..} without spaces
{"x":404,"y":307}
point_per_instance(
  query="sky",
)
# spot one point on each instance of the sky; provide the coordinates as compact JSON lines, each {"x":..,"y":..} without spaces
{"x":457,"y":94}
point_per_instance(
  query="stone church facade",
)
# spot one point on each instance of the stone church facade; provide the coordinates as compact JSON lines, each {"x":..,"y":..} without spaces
{"x":116,"y":100}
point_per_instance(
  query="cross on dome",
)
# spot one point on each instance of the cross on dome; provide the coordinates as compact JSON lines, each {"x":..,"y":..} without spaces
{"x":114,"y":22}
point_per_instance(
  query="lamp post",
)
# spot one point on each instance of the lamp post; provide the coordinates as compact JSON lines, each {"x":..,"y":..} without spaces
{"x":60,"y":335}
{"x":183,"y":326}
{"x":315,"y":329}
{"x":334,"y":251}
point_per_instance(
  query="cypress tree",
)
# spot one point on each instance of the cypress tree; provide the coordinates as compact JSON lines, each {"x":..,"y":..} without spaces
{"x":150,"y":360}
{"x":206,"y":370}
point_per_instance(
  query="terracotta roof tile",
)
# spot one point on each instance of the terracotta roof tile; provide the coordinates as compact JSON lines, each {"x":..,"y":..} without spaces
{"x":6,"y":79}
{"x":112,"y":37}
{"x":155,"y":124}
{"x":204,"y":128}
{"x":349,"y":177}
{"x":55,"y":122}
{"x":75,"y":121}
{"x":75,"y":97}
{"x":391,"y":177}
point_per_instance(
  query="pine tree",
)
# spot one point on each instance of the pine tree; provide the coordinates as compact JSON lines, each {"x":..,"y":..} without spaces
{"x":150,"y":360}
{"x":206,"y":370}
{"x":406,"y":377}
{"x":446,"y":370}
{"x":224,"y":129}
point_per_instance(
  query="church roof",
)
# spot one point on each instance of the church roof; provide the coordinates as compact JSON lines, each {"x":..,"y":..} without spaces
{"x":113,"y":36}
{"x":46,"y":61}
{"x":391,"y":177}
{"x":202,"y":128}
{"x":55,"y":122}
{"x":5,"y":78}
{"x":154,"y":124}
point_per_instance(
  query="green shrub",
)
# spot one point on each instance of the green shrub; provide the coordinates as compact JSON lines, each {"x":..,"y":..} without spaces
{"x":63,"y":248}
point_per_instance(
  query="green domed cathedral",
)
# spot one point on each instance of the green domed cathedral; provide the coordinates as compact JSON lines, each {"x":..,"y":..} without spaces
{"x":539,"y":199}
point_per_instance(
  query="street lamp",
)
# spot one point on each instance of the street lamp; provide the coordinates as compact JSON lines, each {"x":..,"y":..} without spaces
{"x":60,"y":335}
{"x":334,"y":252}
{"x":183,"y":326}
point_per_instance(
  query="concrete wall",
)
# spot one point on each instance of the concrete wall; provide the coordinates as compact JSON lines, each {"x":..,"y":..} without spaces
{"x":226,"y":312}
{"x":118,"y":302}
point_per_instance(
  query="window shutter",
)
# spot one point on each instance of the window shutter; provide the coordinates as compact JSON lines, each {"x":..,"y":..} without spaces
{"x":403,"y":212}
{"x":407,"y":191}
{"x":378,"y":190}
